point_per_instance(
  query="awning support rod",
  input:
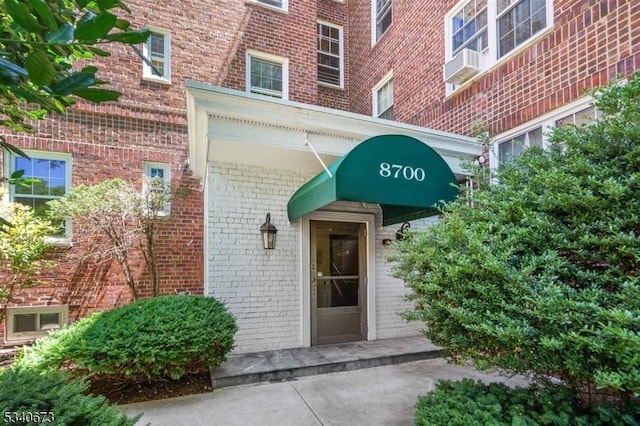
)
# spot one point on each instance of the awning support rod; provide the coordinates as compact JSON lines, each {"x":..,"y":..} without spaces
{"x":307,"y":143}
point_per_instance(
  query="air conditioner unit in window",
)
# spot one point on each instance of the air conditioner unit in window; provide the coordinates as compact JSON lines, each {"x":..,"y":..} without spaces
{"x":462,"y":67}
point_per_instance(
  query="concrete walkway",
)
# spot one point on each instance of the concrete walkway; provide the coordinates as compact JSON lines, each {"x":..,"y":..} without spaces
{"x":373,"y":396}
{"x":287,"y":364}
{"x":360,"y":383}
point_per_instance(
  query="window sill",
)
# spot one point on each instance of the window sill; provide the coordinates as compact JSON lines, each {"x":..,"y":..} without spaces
{"x":267,"y":6}
{"x":157,"y":80}
{"x":331,"y":86}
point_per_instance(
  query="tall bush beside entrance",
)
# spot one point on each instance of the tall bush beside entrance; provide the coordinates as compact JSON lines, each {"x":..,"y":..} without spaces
{"x":541,"y":273}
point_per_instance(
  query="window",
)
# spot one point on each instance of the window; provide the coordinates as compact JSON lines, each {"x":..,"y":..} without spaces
{"x":383,"y":98}
{"x":512,"y":148}
{"x":469,"y":27}
{"x":157,"y":51}
{"x":512,"y":143}
{"x":381,"y":17}
{"x":32,"y":322}
{"x":518,"y":21}
{"x":157,"y":187}
{"x":330,"y":59}
{"x":277,"y":4}
{"x":267,"y":75}
{"x":493,"y":29}
{"x":53,"y":174}
{"x":584,"y":116}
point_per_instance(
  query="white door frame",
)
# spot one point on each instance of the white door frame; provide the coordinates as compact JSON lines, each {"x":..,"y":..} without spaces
{"x":305,"y":267}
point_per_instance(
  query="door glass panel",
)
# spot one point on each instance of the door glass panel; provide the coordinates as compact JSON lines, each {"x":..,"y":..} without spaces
{"x":338,"y":258}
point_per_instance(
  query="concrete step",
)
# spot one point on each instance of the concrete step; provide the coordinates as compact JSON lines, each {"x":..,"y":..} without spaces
{"x":287,"y":364}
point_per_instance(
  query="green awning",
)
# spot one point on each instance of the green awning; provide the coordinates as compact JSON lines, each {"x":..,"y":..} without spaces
{"x":402,"y":174}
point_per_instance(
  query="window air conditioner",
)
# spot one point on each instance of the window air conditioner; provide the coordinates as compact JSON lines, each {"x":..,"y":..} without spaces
{"x":462,"y":67}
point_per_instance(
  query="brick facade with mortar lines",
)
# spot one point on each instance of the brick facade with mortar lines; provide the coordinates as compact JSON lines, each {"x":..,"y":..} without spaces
{"x":589,"y":44}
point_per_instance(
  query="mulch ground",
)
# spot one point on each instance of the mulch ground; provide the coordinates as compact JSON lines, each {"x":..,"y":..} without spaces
{"x":122,"y":391}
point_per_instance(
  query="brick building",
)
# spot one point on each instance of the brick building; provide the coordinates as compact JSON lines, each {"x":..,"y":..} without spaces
{"x":248,"y":99}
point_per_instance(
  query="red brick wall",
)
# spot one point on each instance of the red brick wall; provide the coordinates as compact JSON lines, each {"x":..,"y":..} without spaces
{"x":591,"y":42}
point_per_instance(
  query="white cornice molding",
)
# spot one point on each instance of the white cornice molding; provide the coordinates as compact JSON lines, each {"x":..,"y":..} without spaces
{"x":212,"y":104}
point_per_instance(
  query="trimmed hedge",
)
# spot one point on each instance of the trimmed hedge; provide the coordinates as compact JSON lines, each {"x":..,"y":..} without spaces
{"x":469,"y":403}
{"x":153,"y":338}
{"x":29,"y":397}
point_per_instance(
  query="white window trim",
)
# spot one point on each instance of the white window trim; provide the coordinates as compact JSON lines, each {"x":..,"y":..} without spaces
{"x":490,"y":58}
{"x":546,"y":122}
{"x":284,"y":8}
{"x":148,"y":165}
{"x":341,"y":41}
{"x":374,"y":22}
{"x":9,"y":161}
{"x":147,"y":73}
{"x":374,"y":93}
{"x":12,"y":337}
{"x":271,"y":58}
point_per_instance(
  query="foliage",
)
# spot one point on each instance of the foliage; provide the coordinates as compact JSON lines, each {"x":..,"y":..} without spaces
{"x":39,"y":43}
{"x":150,"y":339}
{"x":52,"y":395}
{"x":469,"y":403}
{"x":23,"y":245}
{"x":127,"y":218}
{"x":541,"y":273}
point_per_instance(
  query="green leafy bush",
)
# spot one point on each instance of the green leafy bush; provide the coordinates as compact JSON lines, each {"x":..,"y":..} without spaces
{"x":541,"y":273}
{"x":152,"y":338}
{"x":469,"y":403}
{"x":26,"y":396}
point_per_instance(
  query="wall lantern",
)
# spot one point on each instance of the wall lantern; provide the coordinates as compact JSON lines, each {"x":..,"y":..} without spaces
{"x":268,"y":233}
{"x":400,"y":233}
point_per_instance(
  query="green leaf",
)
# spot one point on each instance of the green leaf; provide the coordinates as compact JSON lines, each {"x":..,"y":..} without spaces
{"x":123,"y":24}
{"x":97,"y":95}
{"x":17,"y":174}
{"x":94,"y":27}
{"x":44,"y":11}
{"x":129,"y":37}
{"x":41,"y":70}
{"x":22,"y":15}
{"x":76,"y":81}
{"x":107,"y":4}
{"x":99,"y":52}
{"x":63,"y":35}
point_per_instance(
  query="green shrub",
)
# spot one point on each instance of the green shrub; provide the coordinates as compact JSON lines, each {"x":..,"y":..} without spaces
{"x":52,"y":396}
{"x":541,"y":273}
{"x":152,"y":338}
{"x":469,"y":403}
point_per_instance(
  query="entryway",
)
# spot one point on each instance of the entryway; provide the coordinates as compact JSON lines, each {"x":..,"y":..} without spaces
{"x":338,"y":282}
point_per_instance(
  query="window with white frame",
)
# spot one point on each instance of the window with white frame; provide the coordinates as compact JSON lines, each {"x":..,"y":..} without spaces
{"x":383,"y":98}
{"x":330,"y":54}
{"x":47,"y":176}
{"x":28,"y":323}
{"x":277,"y":4}
{"x":157,"y":187}
{"x":479,"y":33}
{"x":469,"y":27}
{"x":510,"y":144}
{"x":513,"y":147}
{"x":381,"y":17}
{"x":157,"y":54}
{"x":267,"y":75}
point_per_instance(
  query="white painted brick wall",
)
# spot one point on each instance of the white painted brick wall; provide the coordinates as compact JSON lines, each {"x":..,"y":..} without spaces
{"x":262,"y":287}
